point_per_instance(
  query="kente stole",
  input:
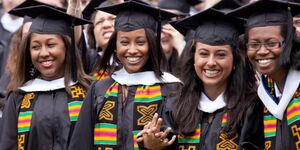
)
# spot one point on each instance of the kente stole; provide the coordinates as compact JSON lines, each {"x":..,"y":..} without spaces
{"x":147,"y":101}
{"x":26,"y":111}
{"x":100,"y":75}
{"x":193,"y":142}
{"x":292,"y":118}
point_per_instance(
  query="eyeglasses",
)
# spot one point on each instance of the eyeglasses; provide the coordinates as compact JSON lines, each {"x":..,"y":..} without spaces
{"x":255,"y":46}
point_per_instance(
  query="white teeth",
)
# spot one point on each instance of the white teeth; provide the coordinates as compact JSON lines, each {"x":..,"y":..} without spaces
{"x":211,"y":72}
{"x":133,"y":59}
{"x":47,"y":62}
{"x":264,"y":61}
{"x":107,"y":35}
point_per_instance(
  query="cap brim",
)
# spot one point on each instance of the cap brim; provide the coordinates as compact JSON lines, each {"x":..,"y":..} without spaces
{"x":89,"y":9}
{"x":34,"y":11}
{"x":29,"y":3}
{"x":137,"y":6}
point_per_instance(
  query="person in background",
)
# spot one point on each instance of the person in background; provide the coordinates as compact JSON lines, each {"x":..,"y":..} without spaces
{"x":118,"y":107}
{"x":98,"y":34}
{"x":273,"y":50}
{"x":48,"y":85}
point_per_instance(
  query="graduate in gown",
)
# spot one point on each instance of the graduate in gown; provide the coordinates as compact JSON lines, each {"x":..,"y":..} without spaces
{"x":117,"y":108}
{"x":48,"y":87}
{"x":273,"y":51}
{"x":216,"y":108}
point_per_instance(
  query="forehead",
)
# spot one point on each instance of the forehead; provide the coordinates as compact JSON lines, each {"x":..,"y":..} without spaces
{"x":132,"y":34}
{"x":37,"y":36}
{"x":265,"y":32}
{"x":102,"y":14}
{"x":200,"y":45}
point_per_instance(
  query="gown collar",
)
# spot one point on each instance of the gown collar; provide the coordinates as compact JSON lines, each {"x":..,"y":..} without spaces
{"x":40,"y":85}
{"x":290,"y":87}
{"x":142,"y":78}
{"x":209,"y":106}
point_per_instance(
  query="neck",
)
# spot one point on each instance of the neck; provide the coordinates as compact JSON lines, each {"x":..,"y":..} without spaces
{"x":279,"y":78}
{"x":214,"y":91}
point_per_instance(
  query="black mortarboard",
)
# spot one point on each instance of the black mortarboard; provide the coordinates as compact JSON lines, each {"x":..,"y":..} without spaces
{"x":48,"y":20}
{"x":90,"y":8}
{"x":227,"y":5}
{"x":186,"y":32}
{"x":179,"y":5}
{"x":28,"y":3}
{"x":133,"y":15}
{"x":271,"y":13}
{"x":213,"y":27}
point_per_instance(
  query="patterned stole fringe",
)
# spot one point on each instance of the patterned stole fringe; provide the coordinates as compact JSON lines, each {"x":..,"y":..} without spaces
{"x":193,"y":142}
{"x":27,"y":107}
{"x":100,"y":76}
{"x":146,"y":102}
{"x":292,"y":118}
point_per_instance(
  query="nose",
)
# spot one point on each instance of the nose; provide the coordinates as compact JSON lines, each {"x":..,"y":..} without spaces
{"x":132,"y":49}
{"x":211,"y":61}
{"x":107,"y":23}
{"x":44,"y":52}
{"x":262,"y":50}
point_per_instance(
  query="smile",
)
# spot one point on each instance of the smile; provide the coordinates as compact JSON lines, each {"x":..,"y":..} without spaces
{"x":46,"y":63}
{"x":211,"y":73}
{"x":264,"y":61}
{"x":133,"y":59}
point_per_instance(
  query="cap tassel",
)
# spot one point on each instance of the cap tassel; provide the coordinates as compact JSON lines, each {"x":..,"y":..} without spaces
{"x":158,"y":32}
{"x":287,"y":48}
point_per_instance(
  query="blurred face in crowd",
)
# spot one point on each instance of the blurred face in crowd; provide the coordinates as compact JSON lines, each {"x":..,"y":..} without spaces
{"x":296,"y":21}
{"x":10,"y":4}
{"x":57,"y":3}
{"x":166,"y":43}
{"x":103,"y":28}
{"x":48,"y":54}
{"x":265,"y":57}
{"x":213,"y":64}
{"x":132,"y":49}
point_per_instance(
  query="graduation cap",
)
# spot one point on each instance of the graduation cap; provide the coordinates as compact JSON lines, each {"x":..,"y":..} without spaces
{"x":48,"y":20}
{"x":133,"y":15}
{"x":271,"y":13}
{"x":179,"y":5}
{"x":90,"y":8}
{"x":214,"y":27}
{"x":28,"y":3}
{"x":186,"y":32}
{"x":227,"y":5}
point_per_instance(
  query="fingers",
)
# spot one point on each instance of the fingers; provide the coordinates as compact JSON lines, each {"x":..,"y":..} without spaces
{"x":172,"y":140}
{"x":154,"y":120}
{"x":165,"y":133}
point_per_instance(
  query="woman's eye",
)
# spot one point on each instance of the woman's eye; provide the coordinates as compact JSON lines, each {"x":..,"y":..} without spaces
{"x":203,"y":53}
{"x":51,"y":45}
{"x":124,"y":42}
{"x":221,"y":54}
{"x":35,"y":47}
{"x":141,"y":42}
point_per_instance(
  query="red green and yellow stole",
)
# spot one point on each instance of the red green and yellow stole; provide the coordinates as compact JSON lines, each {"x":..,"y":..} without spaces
{"x":100,"y":75}
{"x":26,"y":112}
{"x":147,"y":101}
{"x":193,"y":142}
{"x":292,"y":118}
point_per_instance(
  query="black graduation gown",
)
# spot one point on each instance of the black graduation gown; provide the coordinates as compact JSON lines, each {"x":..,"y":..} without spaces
{"x":250,"y":137}
{"x":83,"y":135}
{"x":50,"y":124}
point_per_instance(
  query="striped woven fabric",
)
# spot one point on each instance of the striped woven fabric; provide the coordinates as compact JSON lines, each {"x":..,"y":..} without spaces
{"x":191,"y":139}
{"x":135,"y":144}
{"x":24,"y":121}
{"x":270,"y":126}
{"x":74,"y":109}
{"x":98,"y":75}
{"x":105,"y":133}
{"x":112,"y":90}
{"x":224,"y":119}
{"x":293,"y":111}
{"x":148,"y":93}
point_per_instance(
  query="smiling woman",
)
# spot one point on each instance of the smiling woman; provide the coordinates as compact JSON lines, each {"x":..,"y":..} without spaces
{"x":46,"y":91}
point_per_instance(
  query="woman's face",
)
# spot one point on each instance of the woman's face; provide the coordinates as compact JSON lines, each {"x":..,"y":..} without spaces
{"x":48,"y":53}
{"x":103,"y":28}
{"x":132,"y":49}
{"x":213,"y":64}
{"x":265,"y":57}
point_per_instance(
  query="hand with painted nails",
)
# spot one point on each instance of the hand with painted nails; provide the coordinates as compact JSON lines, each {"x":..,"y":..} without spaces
{"x":152,"y":137}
